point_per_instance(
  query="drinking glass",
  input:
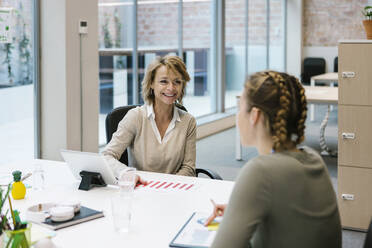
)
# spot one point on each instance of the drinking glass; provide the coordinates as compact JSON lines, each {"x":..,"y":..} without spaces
{"x":121,"y":206}
{"x":127,"y":181}
{"x":38,"y":177}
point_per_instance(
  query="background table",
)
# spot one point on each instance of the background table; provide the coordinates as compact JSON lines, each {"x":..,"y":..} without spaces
{"x":156,"y":217}
{"x":329,"y":78}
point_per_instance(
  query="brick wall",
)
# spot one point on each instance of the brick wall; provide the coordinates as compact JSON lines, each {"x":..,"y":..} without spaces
{"x":197,"y":24}
{"x":158,"y":23}
{"x":326,"y":22}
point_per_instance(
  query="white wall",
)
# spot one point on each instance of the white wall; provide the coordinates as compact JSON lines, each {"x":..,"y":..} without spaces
{"x":60,"y":77}
{"x":328,"y":53}
{"x":294,"y":36}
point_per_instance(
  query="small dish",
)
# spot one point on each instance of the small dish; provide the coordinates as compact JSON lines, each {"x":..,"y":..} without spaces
{"x":75,"y":204}
{"x":59,"y":214}
{"x":39,"y":212}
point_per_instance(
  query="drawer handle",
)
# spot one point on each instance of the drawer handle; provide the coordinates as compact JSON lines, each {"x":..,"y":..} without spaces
{"x":348,"y":135}
{"x":348,"y":197}
{"x":348,"y":74}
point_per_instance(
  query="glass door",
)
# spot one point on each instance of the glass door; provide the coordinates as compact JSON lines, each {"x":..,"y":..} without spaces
{"x":17,"y":83}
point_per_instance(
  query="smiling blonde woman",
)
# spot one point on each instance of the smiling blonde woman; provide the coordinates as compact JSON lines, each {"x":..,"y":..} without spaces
{"x":160,"y":136}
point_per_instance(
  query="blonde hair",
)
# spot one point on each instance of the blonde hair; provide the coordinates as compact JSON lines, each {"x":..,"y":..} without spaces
{"x":281,"y":98}
{"x":173,"y":63}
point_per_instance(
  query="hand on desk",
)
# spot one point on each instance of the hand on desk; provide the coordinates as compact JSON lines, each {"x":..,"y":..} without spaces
{"x":140,"y":181}
{"x":219,"y":210}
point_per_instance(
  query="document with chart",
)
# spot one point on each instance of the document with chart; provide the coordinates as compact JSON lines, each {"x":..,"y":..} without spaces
{"x":167,"y":186}
{"x":194,"y":234}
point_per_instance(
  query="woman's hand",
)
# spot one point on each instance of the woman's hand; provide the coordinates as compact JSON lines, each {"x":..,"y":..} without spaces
{"x":139,"y":181}
{"x":219,"y":210}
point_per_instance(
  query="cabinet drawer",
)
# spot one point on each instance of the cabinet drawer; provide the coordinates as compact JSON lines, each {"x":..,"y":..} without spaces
{"x":355,"y":121}
{"x":355,"y":183}
{"x":355,"y":89}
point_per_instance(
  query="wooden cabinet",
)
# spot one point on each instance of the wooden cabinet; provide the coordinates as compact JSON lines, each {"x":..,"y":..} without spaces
{"x":356,"y":183}
{"x":355,"y":134}
{"x":355,"y":89}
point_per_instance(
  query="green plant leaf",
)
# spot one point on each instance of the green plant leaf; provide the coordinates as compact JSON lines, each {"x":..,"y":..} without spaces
{"x":5,"y":197}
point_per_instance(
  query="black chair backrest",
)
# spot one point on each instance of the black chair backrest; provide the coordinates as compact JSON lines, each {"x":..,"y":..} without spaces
{"x":368,"y":241}
{"x":335,"y":64}
{"x":312,"y":67}
{"x":112,"y":121}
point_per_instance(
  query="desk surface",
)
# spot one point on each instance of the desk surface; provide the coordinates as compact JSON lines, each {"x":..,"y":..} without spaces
{"x":156,"y":218}
{"x":326,"y":77}
{"x":321,"y":94}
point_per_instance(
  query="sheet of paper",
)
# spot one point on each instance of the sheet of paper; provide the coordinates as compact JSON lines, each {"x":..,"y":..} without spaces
{"x":167,"y":186}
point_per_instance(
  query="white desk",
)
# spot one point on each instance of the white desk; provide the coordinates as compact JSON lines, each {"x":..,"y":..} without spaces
{"x":156,"y":217}
{"x":329,"y":78}
{"x":314,"y":94}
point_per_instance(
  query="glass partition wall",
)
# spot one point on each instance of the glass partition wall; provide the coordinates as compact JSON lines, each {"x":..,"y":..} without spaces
{"x":18,"y":86}
{"x":115,"y":22}
{"x":136,"y":31}
{"x":235,"y":49}
{"x":196,"y":33}
{"x":276,"y":35}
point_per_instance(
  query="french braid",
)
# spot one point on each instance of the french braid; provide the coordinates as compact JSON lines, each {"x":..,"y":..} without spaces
{"x":303,"y":113}
{"x":281,"y":98}
{"x":280,"y":136}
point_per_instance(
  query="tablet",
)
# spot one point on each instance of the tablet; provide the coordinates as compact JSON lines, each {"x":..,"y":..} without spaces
{"x":87,"y":161}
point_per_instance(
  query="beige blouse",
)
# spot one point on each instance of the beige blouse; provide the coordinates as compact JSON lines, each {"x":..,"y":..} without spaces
{"x":175,"y":154}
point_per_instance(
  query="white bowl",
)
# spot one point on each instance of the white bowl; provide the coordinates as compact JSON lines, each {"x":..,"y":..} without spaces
{"x":75,"y":204}
{"x":62,"y":213}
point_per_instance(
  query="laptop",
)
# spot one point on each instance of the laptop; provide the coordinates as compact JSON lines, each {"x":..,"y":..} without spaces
{"x":87,"y":161}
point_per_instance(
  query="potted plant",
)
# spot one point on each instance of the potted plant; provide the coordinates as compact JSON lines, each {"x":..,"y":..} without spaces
{"x":4,"y":224}
{"x":13,"y":232}
{"x":367,"y":12}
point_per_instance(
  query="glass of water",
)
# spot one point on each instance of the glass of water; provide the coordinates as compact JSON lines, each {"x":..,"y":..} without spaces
{"x":121,"y":206}
{"x":38,"y":177}
{"x":127,"y":181}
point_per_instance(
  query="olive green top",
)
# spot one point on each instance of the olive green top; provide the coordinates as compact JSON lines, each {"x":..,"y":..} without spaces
{"x":284,"y":199}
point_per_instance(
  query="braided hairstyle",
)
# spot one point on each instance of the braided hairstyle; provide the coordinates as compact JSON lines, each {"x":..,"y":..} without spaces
{"x":282,"y":100}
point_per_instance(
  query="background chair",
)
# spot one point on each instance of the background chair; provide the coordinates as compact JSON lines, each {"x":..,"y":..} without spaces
{"x":116,"y":115}
{"x":335,"y":64}
{"x":368,"y":241}
{"x":312,"y":67}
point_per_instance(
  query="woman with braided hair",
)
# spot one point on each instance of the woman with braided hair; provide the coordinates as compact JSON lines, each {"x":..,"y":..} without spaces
{"x":283,"y":197}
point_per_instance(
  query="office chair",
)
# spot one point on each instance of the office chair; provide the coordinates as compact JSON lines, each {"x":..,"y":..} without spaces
{"x":368,"y":241}
{"x":335,"y":64}
{"x":312,"y":67}
{"x":116,"y":115}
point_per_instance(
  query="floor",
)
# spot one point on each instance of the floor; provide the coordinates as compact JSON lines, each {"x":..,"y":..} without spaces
{"x":217,"y":152}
